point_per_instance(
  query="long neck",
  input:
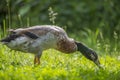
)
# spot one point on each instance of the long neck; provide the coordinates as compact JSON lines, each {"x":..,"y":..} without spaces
{"x":84,"y":50}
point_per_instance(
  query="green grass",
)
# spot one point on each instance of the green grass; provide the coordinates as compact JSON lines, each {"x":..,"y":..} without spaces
{"x":56,"y":66}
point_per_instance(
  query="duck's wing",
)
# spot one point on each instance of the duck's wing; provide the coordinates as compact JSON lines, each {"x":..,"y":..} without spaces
{"x":31,"y":35}
{"x":14,"y":35}
{"x":38,"y":31}
{"x":24,"y":32}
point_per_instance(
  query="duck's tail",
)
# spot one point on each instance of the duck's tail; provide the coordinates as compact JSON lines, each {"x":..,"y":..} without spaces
{"x":2,"y":40}
{"x":9,"y":38}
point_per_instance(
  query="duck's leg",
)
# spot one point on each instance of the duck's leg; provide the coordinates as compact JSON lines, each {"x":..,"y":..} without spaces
{"x":37,"y":59}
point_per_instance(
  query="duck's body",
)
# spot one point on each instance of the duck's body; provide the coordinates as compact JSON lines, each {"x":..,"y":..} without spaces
{"x":39,"y":38}
{"x":46,"y":37}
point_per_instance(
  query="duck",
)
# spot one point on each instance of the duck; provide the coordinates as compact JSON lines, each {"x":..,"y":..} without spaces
{"x":38,"y":38}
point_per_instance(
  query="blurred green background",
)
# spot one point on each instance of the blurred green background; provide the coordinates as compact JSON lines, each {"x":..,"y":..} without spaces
{"x":96,"y":23}
{"x":76,"y":16}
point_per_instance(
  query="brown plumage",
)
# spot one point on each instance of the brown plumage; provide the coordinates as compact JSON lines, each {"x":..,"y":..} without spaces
{"x":36,"y":39}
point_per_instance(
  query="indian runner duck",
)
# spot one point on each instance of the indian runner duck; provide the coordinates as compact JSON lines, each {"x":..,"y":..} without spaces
{"x":36,"y":39}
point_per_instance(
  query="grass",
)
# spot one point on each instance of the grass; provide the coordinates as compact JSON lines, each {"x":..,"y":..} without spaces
{"x":56,"y":66}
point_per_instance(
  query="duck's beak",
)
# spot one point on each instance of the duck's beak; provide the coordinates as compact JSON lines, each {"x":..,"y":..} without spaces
{"x":97,"y":62}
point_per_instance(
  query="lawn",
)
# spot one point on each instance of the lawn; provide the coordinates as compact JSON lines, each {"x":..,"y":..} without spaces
{"x":56,"y":66}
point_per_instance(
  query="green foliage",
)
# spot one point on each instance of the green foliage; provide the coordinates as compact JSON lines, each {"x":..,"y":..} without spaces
{"x":96,"y":23}
{"x":78,"y":14}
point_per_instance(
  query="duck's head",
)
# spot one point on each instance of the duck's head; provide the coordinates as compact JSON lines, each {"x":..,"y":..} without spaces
{"x":88,"y":53}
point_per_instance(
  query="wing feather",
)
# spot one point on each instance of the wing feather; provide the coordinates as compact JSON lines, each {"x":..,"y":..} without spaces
{"x":31,"y":35}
